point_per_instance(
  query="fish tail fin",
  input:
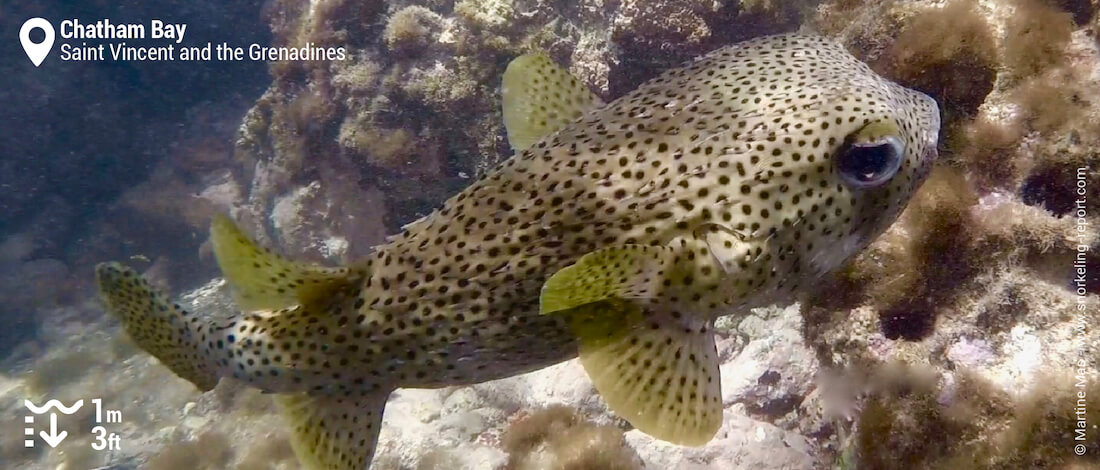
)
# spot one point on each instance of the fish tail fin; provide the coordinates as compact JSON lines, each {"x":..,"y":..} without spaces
{"x":271,"y":292}
{"x":284,"y":304}
{"x":333,"y":432}
{"x":331,"y":429}
{"x":160,"y":327}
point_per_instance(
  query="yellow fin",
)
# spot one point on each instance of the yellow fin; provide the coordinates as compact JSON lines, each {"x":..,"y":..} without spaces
{"x":539,"y":98}
{"x":264,"y":280}
{"x":656,"y":369}
{"x":157,"y":325}
{"x":618,"y":272}
{"x":333,"y":432}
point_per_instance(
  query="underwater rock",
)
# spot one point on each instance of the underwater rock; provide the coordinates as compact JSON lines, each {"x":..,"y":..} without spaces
{"x":774,"y":371}
{"x":958,"y":67}
{"x":557,"y":437}
{"x":652,"y":26}
{"x":411,"y":28}
{"x":416,"y":106}
{"x":493,"y":425}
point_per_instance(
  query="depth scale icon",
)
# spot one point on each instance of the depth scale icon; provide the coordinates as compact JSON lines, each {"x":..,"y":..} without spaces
{"x":53,"y":437}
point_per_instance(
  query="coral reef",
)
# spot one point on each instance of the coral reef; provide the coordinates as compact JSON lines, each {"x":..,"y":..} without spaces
{"x":918,"y":419}
{"x":959,"y":67}
{"x":411,"y":28}
{"x":415,"y":112}
{"x":557,"y":437}
{"x":978,"y":272}
{"x":549,"y":419}
{"x":1036,"y":36}
{"x":954,"y":341}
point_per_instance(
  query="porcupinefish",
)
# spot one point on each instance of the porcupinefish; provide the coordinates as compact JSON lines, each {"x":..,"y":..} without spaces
{"x":618,"y":232}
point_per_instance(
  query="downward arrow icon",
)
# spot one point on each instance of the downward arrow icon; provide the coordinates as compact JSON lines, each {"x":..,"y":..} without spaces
{"x":53,"y":438}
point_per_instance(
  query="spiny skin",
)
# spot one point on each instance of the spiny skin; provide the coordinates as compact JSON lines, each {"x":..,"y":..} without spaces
{"x":729,"y":159}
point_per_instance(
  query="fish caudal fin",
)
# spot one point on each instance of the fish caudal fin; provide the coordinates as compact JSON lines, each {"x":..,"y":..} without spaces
{"x":285,"y":305}
{"x":264,"y":280}
{"x":655,"y":367}
{"x":158,"y":326}
{"x":539,"y":98}
{"x":330,"y":429}
{"x":333,"y":433}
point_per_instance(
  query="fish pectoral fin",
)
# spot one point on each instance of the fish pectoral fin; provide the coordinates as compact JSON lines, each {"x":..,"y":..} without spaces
{"x":262,"y":279}
{"x":654,"y":366}
{"x":618,"y":272}
{"x":656,"y":369}
{"x":333,"y":432}
{"x":539,"y":98}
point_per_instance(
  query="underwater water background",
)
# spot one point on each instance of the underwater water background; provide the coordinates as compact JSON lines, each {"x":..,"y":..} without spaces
{"x":80,"y":134}
{"x":964,"y":337}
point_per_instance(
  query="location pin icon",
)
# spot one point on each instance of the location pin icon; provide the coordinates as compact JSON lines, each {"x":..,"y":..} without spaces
{"x":36,"y":51}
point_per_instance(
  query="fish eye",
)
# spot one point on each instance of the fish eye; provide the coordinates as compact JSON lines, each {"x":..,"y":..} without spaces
{"x":870,"y":164}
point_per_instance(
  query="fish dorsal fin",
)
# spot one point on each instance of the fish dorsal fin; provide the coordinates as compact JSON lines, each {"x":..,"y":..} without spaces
{"x":539,"y":98}
{"x":655,"y":366}
{"x":331,"y":432}
{"x":618,"y":272}
{"x":262,"y":279}
{"x":657,"y":369}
